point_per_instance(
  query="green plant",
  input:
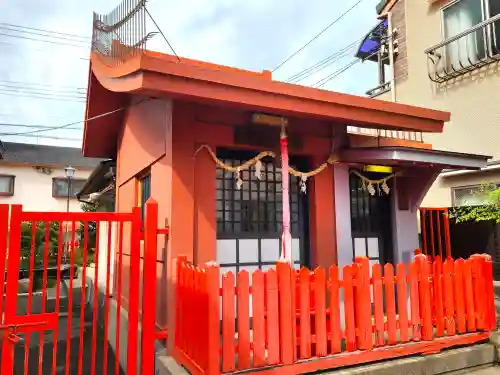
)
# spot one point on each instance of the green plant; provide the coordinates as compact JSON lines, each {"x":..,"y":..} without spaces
{"x":488,"y":211}
{"x":36,"y":238}
{"x":91,"y":228}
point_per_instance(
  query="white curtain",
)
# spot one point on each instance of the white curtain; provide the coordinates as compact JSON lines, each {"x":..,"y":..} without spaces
{"x":460,"y":17}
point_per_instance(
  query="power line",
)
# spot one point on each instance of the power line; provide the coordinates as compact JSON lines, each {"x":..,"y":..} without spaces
{"x":71,"y":39}
{"x":43,"y":90}
{"x":44,"y":30}
{"x":33,"y":126}
{"x":41,"y":84}
{"x":335,"y":74}
{"x":23,"y":90}
{"x":78,"y":122}
{"x":37,"y":50}
{"x":14,"y":93}
{"x":3,"y":114}
{"x":317,"y":35}
{"x":161,"y":32}
{"x":44,"y":41}
{"x":322,"y":64}
{"x":50,"y":137}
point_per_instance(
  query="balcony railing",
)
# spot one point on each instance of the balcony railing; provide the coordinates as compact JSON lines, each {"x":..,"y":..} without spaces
{"x":379,"y":90}
{"x":465,"y":52}
{"x":383,"y":133}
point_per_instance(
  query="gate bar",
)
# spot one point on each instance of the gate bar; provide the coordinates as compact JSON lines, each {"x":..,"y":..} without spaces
{"x":149,"y":288}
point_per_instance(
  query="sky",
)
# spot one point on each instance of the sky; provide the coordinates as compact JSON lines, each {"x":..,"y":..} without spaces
{"x":255,"y":35}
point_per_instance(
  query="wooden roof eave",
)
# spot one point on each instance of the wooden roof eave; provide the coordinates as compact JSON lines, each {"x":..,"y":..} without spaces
{"x":153,"y":75}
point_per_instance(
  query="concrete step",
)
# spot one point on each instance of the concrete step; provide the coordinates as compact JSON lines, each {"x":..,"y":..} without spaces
{"x":480,"y":358}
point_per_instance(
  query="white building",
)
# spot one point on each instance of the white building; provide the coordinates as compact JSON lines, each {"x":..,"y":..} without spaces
{"x":33,"y":175}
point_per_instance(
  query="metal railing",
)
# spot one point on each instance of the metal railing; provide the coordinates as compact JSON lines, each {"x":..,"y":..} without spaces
{"x":383,"y":133}
{"x":379,"y":90}
{"x":465,"y":52}
{"x":122,"y":33}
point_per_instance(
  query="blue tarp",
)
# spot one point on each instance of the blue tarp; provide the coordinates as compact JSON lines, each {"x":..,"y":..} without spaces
{"x":371,"y":42}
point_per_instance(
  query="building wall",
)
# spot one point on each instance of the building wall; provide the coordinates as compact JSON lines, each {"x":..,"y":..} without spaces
{"x":33,"y":189}
{"x":442,"y":194}
{"x":473,"y":99}
{"x":143,"y":145}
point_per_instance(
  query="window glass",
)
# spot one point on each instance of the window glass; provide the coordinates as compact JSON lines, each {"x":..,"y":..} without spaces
{"x":6,"y":184}
{"x":144,"y":192}
{"x":457,"y":18}
{"x":470,"y":196}
{"x":60,"y":187}
{"x":494,"y":10}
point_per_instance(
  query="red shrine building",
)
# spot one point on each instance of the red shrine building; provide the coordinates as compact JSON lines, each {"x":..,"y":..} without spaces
{"x":203,"y":140}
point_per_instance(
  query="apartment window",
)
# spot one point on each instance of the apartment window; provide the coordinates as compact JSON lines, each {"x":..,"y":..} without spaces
{"x":60,"y":187}
{"x":143,"y":191}
{"x":474,"y":195}
{"x":6,"y":185}
{"x":462,"y":15}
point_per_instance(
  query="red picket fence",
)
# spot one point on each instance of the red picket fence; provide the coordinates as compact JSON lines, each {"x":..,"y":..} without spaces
{"x":293,"y":322}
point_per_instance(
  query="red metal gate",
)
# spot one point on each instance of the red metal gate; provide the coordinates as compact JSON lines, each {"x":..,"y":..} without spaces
{"x":52,"y":326}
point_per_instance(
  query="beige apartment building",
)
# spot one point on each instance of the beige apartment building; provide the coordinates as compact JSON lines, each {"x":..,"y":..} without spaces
{"x":443,"y":54}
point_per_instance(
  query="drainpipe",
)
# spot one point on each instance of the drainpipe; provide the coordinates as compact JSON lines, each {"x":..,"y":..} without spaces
{"x":391,"y":56}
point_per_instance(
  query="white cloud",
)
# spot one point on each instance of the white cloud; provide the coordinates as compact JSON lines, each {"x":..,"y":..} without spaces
{"x":252,"y":35}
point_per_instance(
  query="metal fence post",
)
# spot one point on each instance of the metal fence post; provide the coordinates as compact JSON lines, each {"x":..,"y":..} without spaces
{"x":149,"y":288}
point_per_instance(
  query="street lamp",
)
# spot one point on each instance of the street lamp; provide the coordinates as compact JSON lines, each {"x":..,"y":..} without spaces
{"x":69,"y":171}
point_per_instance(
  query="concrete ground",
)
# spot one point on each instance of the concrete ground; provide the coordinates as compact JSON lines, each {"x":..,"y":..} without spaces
{"x":487,"y":371}
{"x":62,"y":338}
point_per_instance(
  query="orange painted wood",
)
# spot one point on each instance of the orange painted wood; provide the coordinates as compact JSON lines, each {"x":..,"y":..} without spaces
{"x":378,"y":301}
{"x":390,"y":302}
{"x":414,"y":301}
{"x":489,"y":291}
{"x":243,"y":289}
{"x":273,"y":353}
{"x":189,"y":311}
{"x":478,"y":287}
{"x":259,"y":328}
{"x":458,"y":285}
{"x":377,"y":354}
{"x":438,"y":296}
{"x":228,"y":319}
{"x":286,"y":312}
{"x":305,"y":314}
{"x":425,"y":297}
{"x":350,"y":325}
{"x":363,"y":303}
{"x":448,"y":275}
{"x":320,"y":309}
{"x":197,"y":325}
{"x":402,"y":302}
{"x":335,"y":334}
{"x":469,"y":296}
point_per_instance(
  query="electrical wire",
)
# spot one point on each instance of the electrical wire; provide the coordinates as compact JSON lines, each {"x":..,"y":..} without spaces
{"x":41,"y":93}
{"x":51,"y":137}
{"x":317,"y":35}
{"x":79,"y":122}
{"x":322,"y":64}
{"x":39,"y":96}
{"x":33,"y":126}
{"x":161,"y":32}
{"x":44,"y":41}
{"x":41,"y":84}
{"x":44,"y":30}
{"x":44,"y":35}
{"x":335,"y":74}
{"x":44,"y":90}
{"x":36,"y":50}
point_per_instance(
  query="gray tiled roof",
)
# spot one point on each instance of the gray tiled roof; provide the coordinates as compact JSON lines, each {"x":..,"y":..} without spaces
{"x":43,"y":155}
